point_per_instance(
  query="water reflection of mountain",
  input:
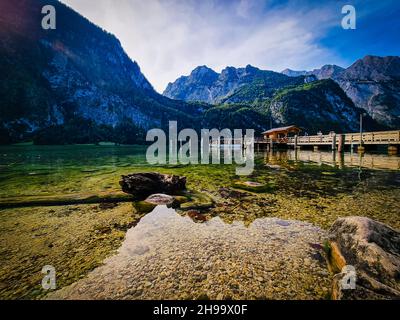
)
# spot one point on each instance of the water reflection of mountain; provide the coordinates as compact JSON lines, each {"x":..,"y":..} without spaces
{"x":367,"y":160}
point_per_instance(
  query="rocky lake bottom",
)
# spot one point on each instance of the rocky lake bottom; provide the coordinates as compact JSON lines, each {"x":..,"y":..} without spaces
{"x":264,"y":240}
{"x":167,"y":256}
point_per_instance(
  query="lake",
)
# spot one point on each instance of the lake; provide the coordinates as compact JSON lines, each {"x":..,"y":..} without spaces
{"x":51,"y":215}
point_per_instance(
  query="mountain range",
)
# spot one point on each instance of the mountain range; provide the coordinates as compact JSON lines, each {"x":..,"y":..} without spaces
{"x":328,"y":71}
{"x":206,"y":85}
{"x":76,"y":84}
{"x":371,"y":83}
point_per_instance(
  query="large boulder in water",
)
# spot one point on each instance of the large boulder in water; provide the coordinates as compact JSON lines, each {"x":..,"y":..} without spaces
{"x":141,"y":185}
{"x":373,"y":249}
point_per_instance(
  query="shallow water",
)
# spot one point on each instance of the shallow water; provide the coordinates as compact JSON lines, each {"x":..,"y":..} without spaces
{"x":34,"y":171}
{"x":167,"y":256}
{"x":312,"y":188}
{"x":54,"y":170}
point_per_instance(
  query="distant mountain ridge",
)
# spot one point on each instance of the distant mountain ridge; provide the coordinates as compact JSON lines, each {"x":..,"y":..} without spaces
{"x":206,"y":85}
{"x":318,"y":106}
{"x":327,"y":71}
{"x":372,"y":83}
{"x":294,"y":73}
{"x":374,"y":68}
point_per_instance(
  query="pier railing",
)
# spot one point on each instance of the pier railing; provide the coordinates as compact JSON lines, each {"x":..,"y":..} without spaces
{"x":312,"y":140}
{"x":379,"y":137}
{"x":383,"y":137}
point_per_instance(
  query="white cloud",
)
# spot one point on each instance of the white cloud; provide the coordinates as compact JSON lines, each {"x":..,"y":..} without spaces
{"x":169,"y":38}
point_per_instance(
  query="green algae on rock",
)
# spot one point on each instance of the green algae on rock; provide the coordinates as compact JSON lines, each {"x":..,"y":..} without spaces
{"x":253,"y":186}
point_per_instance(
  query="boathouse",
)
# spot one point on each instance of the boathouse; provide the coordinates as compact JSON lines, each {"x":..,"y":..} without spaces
{"x":281,"y":135}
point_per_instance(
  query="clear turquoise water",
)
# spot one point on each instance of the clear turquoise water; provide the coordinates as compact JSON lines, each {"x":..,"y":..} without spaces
{"x":27,"y":171}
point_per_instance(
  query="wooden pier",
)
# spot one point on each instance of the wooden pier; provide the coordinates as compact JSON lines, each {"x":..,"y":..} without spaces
{"x":391,"y":139}
{"x":334,"y":141}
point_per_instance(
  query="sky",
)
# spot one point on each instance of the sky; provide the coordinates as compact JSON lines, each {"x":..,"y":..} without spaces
{"x":169,"y":38}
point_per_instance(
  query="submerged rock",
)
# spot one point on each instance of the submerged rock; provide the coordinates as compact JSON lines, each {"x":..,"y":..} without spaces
{"x":107,"y":205}
{"x":273,"y":166}
{"x":227,"y":193}
{"x":252,"y":186}
{"x":142,"y":185}
{"x":197,"y":200}
{"x":162,"y":199}
{"x":373,"y":249}
{"x":144,"y":207}
{"x":196,"y":215}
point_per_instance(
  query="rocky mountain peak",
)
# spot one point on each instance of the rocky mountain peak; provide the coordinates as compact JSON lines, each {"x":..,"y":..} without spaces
{"x":373,"y":84}
{"x":374,"y":68}
{"x":249,"y":68}
{"x":328,"y":71}
{"x":325,"y":72}
{"x":202,"y":70}
{"x":201,"y":76}
{"x":293,"y":73}
{"x":205,"y":85}
{"x":229,"y":72}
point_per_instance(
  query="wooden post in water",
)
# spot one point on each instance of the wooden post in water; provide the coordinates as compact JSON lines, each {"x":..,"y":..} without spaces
{"x":295,"y":142}
{"x":361,"y":148}
{"x":392,"y":149}
{"x":341,"y":143}
{"x":334,"y":142}
{"x":341,"y":160}
{"x":334,"y":158}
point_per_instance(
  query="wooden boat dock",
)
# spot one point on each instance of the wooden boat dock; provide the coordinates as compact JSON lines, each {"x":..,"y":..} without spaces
{"x":280,"y":136}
